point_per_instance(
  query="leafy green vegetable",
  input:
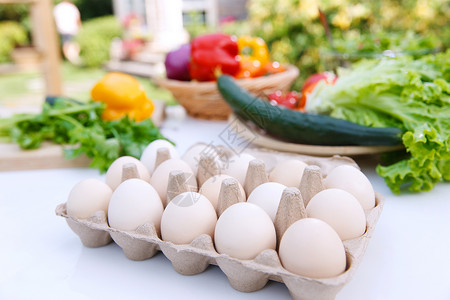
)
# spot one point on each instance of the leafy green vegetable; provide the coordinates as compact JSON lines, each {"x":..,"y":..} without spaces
{"x":80,"y":128}
{"x":413,"y":95}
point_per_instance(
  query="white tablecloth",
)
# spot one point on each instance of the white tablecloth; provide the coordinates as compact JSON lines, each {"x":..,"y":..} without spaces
{"x":41,"y":258}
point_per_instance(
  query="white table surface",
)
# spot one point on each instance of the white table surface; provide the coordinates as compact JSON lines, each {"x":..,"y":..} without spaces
{"x":41,"y":258}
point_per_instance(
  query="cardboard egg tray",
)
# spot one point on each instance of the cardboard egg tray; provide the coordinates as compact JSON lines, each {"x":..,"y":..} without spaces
{"x":243,"y":275}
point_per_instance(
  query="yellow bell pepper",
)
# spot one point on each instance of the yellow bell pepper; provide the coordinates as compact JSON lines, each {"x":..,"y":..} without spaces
{"x":252,"y":64}
{"x":123,"y":95}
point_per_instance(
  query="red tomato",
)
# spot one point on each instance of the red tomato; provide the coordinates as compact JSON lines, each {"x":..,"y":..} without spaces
{"x":289,"y":100}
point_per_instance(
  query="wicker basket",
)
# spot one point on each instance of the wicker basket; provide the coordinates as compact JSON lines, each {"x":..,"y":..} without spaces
{"x":203,"y":100}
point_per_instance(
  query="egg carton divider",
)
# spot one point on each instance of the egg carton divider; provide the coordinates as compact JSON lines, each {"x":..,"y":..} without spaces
{"x":243,"y":275}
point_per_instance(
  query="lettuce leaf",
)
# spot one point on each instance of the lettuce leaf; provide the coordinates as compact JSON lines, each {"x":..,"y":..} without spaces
{"x":413,"y":95}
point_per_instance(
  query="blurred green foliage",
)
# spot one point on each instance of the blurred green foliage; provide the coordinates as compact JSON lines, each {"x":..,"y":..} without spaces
{"x":295,"y":34}
{"x":90,"y":9}
{"x":95,"y":39}
{"x":12,"y":34}
{"x":13,"y":11}
{"x":18,"y":12}
{"x":194,"y":23}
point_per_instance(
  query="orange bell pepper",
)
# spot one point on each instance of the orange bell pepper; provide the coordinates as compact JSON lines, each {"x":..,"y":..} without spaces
{"x":273,"y":67}
{"x":123,"y":95}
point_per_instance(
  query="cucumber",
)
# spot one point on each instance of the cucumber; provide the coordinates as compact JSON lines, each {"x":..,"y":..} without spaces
{"x":295,"y":126}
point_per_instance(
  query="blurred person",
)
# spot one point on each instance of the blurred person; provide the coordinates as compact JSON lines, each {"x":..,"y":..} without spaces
{"x":68,"y":23}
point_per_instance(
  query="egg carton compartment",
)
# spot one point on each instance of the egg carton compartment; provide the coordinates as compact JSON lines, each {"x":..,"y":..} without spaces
{"x":243,"y":275}
{"x":271,"y":158}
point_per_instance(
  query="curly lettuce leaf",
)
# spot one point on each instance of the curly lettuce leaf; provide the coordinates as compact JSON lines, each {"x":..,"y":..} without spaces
{"x":413,"y":95}
{"x":428,"y":164}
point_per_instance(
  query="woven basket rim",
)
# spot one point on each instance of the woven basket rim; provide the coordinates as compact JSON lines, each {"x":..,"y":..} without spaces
{"x":291,"y":71}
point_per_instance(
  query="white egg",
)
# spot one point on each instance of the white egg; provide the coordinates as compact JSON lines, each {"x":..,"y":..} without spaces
{"x":311,"y":248}
{"x":87,"y":197}
{"x":237,"y":166}
{"x":354,"y":181}
{"x":243,"y":231}
{"x":160,"y":177}
{"x":148,"y":157}
{"x":186,"y":217}
{"x":113,"y":176}
{"x":211,"y":188}
{"x":288,"y":172}
{"x":134,"y":203}
{"x":339,"y":209}
{"x":193,"y":154}
{"x":267,"y":196}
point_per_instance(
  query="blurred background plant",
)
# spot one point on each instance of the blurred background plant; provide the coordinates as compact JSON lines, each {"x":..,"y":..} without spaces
{"x":95,"y":39}
{"x":295,"y":34}
{"x":12,"y":34}
{"x":194,"y":23}
{"x":15,"y":29}
{"x":90,"y":9}
{"x":291,"y":28}
{"x":16,"y":12}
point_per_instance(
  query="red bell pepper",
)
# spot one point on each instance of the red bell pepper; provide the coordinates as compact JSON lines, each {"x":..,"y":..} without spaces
{"x":213,"y":55}
{"x":312,"y":81}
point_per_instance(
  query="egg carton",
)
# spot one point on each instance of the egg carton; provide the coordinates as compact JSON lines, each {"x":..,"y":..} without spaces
{"x":243,"y":275}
